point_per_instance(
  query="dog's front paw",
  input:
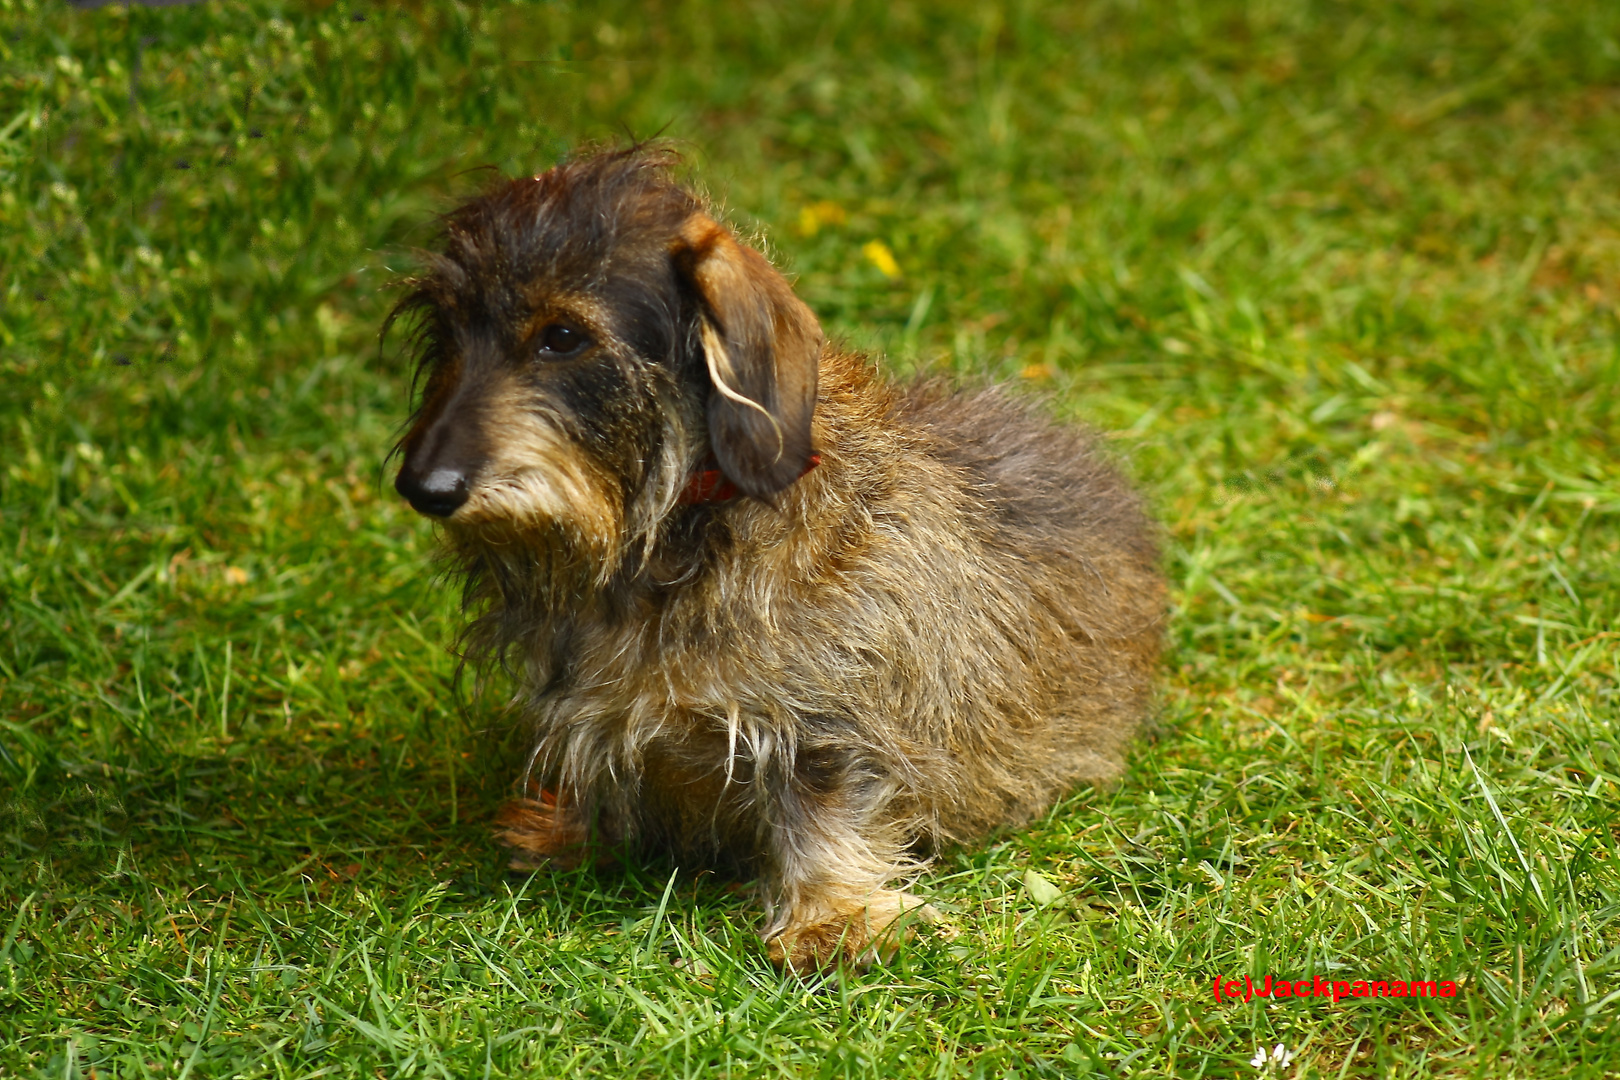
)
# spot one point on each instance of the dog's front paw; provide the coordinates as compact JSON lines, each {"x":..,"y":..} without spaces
{"x":848,"y":932}
{"x":542,"y":831}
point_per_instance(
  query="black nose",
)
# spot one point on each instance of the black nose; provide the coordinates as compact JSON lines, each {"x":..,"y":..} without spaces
{"x":438,"y":493}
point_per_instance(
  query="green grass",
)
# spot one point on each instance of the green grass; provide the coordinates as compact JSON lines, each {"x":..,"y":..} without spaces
{"x":1342,"y":278}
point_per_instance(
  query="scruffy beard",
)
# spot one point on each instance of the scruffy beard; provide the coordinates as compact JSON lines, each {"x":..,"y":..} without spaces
{"x":522,"y":578}
{"x":546,"y":568}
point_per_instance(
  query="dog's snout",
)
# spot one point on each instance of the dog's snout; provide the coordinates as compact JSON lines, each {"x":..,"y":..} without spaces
{"x":439,"y":493}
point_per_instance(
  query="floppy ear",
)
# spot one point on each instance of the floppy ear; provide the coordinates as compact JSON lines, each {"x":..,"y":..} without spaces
{"x":762,"y":347}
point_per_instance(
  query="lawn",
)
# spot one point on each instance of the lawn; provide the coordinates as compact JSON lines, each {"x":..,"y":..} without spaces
{"x":1340,"y":280}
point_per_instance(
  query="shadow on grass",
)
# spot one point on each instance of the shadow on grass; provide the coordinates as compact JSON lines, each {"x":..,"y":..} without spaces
{"x":286,"y":824}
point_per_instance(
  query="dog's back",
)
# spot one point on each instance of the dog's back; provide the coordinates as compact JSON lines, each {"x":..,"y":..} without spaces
{"x":1075,"y":554}
{"x":965,"y":594}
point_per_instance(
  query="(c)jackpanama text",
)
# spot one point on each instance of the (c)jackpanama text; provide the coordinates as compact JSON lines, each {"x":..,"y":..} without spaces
{"x":1247,"y":990}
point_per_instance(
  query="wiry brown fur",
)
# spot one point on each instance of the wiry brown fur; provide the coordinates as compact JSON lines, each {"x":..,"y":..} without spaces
{"x":939,"y":629}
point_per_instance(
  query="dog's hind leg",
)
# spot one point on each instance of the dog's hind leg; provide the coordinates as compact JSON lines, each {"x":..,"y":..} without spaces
{"x":826,"y":890}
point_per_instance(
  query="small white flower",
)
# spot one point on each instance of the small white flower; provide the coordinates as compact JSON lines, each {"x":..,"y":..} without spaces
{"x":1274,"y":1062}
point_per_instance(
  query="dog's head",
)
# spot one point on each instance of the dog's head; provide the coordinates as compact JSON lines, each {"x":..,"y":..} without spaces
{"x":586,"y":338}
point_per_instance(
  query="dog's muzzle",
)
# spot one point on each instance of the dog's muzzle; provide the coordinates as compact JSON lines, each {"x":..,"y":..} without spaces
{"x":439,"y":494}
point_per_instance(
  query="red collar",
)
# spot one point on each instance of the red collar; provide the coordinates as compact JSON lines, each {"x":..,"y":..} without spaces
{"x":709,"y":484}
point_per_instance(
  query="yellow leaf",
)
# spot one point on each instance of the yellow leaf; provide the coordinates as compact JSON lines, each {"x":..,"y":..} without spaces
{"x":1040,"y":888}
{"x":814,"y":216}
{"x":878,"y":253}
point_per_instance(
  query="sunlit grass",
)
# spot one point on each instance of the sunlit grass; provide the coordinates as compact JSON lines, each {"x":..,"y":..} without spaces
{"x":1341,"y":281}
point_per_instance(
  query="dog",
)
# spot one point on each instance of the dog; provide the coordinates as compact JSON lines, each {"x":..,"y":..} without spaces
{"x":766,"y":610}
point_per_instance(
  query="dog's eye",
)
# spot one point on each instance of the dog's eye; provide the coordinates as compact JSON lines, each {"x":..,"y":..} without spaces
{"x":559,"y":339}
